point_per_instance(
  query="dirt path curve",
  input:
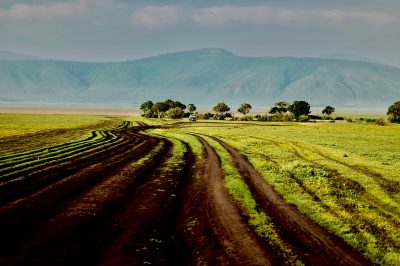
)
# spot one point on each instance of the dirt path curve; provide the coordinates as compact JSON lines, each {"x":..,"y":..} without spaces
{"x":318,"y":245}
{"x":235,"y":236}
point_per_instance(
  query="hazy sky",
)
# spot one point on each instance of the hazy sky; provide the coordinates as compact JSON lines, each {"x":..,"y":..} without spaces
{"x":108,"y":30}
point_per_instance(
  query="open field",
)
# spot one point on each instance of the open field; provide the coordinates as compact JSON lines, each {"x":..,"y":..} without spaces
{"x":126,"y":190}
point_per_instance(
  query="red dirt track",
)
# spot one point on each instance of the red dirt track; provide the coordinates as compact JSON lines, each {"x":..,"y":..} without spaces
{"x":100,"y":209}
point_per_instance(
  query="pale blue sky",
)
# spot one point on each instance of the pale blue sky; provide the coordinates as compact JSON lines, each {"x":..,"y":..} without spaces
{"x":109,"y":30}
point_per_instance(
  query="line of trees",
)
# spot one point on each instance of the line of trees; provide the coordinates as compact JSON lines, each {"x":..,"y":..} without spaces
{"x":281,"y":111}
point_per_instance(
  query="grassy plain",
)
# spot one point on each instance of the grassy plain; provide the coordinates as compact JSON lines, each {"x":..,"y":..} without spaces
{"x":345,"y":176}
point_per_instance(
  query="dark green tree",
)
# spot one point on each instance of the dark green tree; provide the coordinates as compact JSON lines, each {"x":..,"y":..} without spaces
{"x":394,"y":112}
{"x":221,"y":108}
{"x":170,"y":103}
{"x":244,"y":108}
{"x":160,"y":108}
{"x":191,"y":107}
{"x":279,"y":108}
{"x":146,"y":106}
{"x":298,"y":108}
{"x":328,"y":110}
{"x":179,"y":105}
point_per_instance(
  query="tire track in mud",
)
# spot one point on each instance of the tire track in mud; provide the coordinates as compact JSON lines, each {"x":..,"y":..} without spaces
{"x":235,"y":236}
{"x":34,"y":216}
{"x":318,"y":245}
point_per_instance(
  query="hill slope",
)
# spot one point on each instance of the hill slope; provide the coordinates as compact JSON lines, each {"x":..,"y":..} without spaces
{"x":203,"y":77}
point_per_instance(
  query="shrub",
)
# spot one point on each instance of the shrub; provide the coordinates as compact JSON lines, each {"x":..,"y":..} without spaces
{"x":218,"y":117}
{"x":315,"y":117}
{"x":349,"y":120}
{"x":339,"y":118}
{"x":304,"y":118}
{"x":175,"y":113}
{"x":148,"y":114}
{"x":246,"y":118}
{"x":262,"y":118}
{"x":380,"y":122}
{"x":204,"y":116}
{"x":326,"y":117}
{"x":228,"y":115}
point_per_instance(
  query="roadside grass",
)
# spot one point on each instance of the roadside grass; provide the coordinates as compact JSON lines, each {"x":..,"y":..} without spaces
{"x":259,"y":220}
{"x":356,"y":196}
{"x":176,"y":162}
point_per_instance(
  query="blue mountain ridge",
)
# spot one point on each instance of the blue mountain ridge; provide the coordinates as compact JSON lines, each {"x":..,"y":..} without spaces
{"x":203,"y":77}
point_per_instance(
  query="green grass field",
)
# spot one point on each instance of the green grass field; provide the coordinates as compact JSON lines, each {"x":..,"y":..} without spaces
{"x":345,"y":176}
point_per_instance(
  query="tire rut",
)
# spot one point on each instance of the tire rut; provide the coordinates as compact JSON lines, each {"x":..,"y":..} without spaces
{"x":319,"y":245}
{"x":235,"y":236}
{"x":40,"y":206}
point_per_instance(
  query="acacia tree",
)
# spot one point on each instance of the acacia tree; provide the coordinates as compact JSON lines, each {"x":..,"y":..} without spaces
{"x":178,"y":104}
{"x":160,"y":108}
{"x":191,"y":107}
{"x":394,"y":112}
{"x":298,"y":108}
{"x":279,"y":108}
{"x":170,"y":103}
{"x":221,"y":108}
{"x":146,"y":106}
{"x":244,"y":108}
{"x":328,"y":110}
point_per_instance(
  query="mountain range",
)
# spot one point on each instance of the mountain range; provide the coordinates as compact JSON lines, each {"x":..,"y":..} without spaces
{"x":203,"y":77}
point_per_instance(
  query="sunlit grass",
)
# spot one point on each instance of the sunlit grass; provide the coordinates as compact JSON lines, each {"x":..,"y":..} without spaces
{"x":345,"y":176}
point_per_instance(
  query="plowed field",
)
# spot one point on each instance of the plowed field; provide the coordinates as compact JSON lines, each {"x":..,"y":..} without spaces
{"x":132,"y":195}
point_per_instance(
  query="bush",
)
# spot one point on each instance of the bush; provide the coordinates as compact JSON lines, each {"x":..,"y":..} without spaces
{"x":339,"y":118}
{"x":228,"y":115}
{"x":148,"y":114}
{"x":204,"y":116}
{"x":175,"y":113}
{"x":380,"y":122}
{"x":246,"y":118}
{"x":315,"y":117}
{"x":304,"y":118}
{"x":349,"y":120}
{"x":326,"y":117}
{"x":281,"y":118}
{"x":186,"y":114}
{"x":218,"y":117}
{"x":262,"y":118}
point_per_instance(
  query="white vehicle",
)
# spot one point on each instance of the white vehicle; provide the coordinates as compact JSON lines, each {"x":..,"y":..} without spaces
{"x":192,"y":118}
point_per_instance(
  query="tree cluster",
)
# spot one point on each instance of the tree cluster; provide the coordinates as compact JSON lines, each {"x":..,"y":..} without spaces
{"x":283,"y":111}
{"x":169,"y":108}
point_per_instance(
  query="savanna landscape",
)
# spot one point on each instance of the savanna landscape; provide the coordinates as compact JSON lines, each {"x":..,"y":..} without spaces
{"x":112,"y":190}
{"x":228,"y":132}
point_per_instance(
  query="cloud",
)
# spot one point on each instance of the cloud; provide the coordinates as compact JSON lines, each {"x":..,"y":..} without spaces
{"x":50,"y":11}
{"x":218,"y":16}
{"x":154,"y":17}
